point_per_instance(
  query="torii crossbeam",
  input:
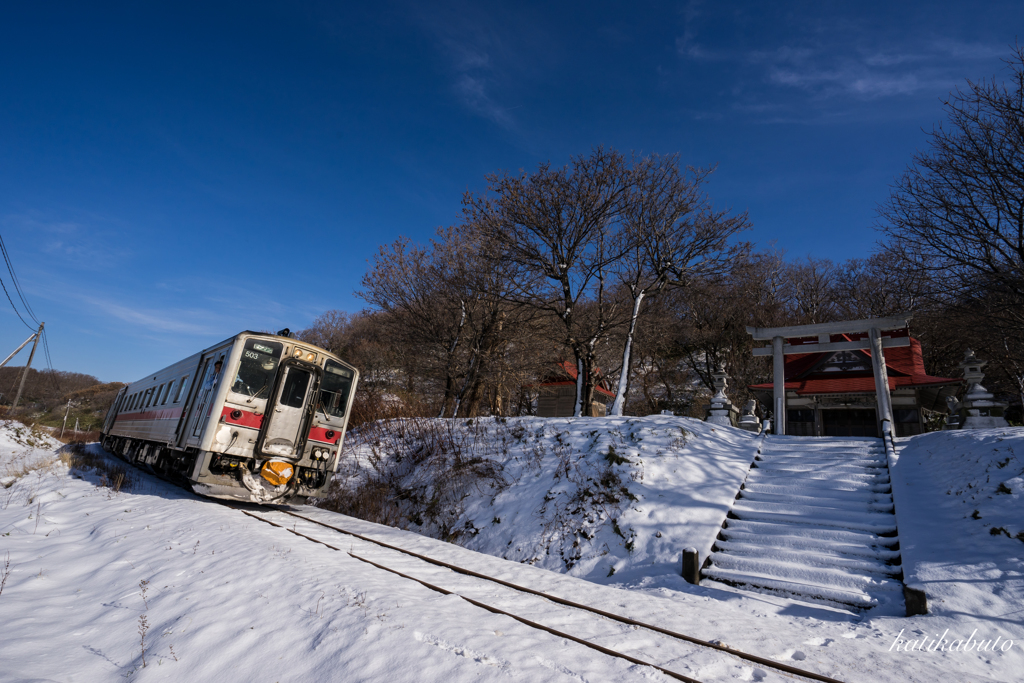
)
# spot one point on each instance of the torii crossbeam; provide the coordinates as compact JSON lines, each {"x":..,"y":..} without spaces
{"x":876,"y":341}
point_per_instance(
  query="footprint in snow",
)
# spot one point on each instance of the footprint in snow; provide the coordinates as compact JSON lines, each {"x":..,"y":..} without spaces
{"x":822,"y":642}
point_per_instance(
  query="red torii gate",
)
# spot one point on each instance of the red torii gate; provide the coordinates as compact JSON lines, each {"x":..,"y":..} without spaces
{"x":876,"y":341}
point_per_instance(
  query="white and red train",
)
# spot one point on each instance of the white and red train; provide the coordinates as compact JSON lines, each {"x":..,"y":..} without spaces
{"x":258,"y":417}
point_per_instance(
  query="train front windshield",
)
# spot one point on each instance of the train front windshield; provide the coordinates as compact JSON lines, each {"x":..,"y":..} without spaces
{"x":258,"y":368}
{"x":334,"y":389}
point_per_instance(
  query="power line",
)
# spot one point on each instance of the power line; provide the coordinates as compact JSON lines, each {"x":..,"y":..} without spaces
{"x":28,"y":309}
{"x":14,"y":279}
{"x":17,"y":312}
{"x":49,"y":364}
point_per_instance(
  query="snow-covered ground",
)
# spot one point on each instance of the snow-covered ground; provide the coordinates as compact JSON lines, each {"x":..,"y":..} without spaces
{"x":225,"y":597}
{"x":960,"y":509}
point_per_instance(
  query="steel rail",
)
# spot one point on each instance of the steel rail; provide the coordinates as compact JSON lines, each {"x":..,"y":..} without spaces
{"x":489,"y":608}
{"x":778,"y":666}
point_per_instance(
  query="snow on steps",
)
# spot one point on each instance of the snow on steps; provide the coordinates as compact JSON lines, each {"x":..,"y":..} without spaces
{"x":814,"y":521}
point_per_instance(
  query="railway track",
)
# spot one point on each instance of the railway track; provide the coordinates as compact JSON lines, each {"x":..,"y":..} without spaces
{"x":747,"y":657}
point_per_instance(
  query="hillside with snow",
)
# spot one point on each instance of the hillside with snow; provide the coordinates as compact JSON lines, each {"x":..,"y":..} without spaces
{"x":595,"y":498}
{"x":104,"y":568}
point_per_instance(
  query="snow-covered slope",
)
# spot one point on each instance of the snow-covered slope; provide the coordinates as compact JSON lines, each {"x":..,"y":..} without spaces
{"x":592,"y":497}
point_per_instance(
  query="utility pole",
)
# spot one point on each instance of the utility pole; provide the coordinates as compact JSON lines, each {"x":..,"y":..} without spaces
{"x":24,"y":374}
{"x":15,"y":353}
{"x":65,"y":420}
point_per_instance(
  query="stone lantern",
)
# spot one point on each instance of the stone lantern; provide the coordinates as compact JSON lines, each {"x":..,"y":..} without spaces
{"x":721,"y":411}
{"x":979,"y":410}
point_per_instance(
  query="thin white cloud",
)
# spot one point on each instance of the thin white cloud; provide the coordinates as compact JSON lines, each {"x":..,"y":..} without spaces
{"x":473,"y":92}
{"x":69,"y":241}
{"x":177,"y":321}
{"x":838,"y":59}
{"x":850,"y":79}
{"x":476,"y":44}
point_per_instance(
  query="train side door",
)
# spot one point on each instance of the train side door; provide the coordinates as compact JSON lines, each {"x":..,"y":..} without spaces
{"x":212,"y":375}
{"x":284,"y":433}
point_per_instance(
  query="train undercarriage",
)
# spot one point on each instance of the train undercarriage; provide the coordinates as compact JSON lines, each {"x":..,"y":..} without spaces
{"x":217,"y":475}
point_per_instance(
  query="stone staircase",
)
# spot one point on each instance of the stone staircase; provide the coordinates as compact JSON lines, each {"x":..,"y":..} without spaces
{"x":814,"y":521}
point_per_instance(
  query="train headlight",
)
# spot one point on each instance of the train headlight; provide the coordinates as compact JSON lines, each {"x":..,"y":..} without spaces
{"x":298,"y":353}
{"x":310,"y":356}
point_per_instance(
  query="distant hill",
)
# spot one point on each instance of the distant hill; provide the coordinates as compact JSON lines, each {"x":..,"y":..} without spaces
{"x":46,"y":395}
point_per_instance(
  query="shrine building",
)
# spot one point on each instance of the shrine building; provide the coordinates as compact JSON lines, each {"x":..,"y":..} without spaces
{"x":558,"y":394}
{"x":847,"y":379}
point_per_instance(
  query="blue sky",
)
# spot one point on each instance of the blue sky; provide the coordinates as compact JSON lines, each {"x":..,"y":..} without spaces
{"x":173,"y":173}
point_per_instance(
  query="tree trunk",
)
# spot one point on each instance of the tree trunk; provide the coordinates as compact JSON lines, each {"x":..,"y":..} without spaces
{"x":620,"y":395}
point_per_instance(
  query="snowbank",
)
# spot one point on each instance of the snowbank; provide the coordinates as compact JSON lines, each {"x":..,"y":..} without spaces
{"x":23,"y":449}
{"x":960,"y":508}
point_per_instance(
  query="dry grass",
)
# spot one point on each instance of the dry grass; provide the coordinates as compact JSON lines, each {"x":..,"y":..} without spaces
{"x":17,"y":471}
{"x":113,"y":475}
{"x":71,"y":436}
{"x":420,"y":471}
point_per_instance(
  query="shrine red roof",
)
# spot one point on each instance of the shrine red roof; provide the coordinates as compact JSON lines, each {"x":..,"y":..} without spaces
{"x":568,"y":369}
{"x":904,"y":366}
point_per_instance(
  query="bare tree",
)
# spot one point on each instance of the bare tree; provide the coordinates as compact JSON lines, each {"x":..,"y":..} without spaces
{"x":878,"y":286}
{"x":444,"y":306}
{"x":428,"y":297}
{"x":365,"y":340}
{"x":670,"y":235}
{"x":812,"y":290}
{"x":555,"y":228}
{"x":958,"y":210}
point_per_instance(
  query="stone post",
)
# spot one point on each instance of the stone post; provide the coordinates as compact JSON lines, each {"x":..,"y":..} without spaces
{"x":691,"y":566}
{"x":779,"y":379}
{"x":881,"y":380}
{"x":748,"y":420}
{"x":953,"y":416}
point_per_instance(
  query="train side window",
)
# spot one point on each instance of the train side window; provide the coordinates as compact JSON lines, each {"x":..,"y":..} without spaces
{"x":135,"y":400}
{"x":334,"y":389}
{"x":149,"y":398}
{"x":131,"y":402}
{"x":170,"y":388}
{"x":159,"y":392}
{"x":181,"y":388}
